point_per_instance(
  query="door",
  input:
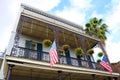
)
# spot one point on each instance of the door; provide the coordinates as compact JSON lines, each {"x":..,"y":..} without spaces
{"x":68,"y":59}
{"x":79,"y":60}
{"x":89,"y":61}
{"x":39,"y":51}
{"x":28,"y":45}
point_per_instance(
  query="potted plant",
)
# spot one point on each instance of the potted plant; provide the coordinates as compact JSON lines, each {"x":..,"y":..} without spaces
{"x":90,"y":51}
{"x":61,"y":52}
{"x":79,"y":51}
{"x":100,"y":54}
{"x":65,"y":47}
{"x":47,"y":43}
{"x":99,"y":60}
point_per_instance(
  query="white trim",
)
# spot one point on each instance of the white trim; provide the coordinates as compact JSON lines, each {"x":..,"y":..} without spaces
{"x":45,"y":65}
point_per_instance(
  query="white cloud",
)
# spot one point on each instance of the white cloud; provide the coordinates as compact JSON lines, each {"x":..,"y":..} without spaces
{"x":81,"y":4}
{"x":76,"y":12}
{"x":5,"y":38}
{"x":112,"y":18}
{"x":72,"y":15}
{"x":44,"y":5}
{"x":113,"y":51}
{"x":95,"y":14}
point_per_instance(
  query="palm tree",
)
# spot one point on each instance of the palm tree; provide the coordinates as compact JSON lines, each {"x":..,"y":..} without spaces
{"x":96,"y":28}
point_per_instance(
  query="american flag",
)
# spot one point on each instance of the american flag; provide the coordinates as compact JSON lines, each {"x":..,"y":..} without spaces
{"x":105,"y":64}
{"x":53,"y":55}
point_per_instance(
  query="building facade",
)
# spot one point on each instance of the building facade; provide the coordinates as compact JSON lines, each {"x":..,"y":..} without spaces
{"x":2,"y":54}
{"x":27,"y":58}
{"x":116,"y":68}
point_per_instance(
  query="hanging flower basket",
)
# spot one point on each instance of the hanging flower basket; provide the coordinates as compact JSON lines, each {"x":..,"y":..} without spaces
{"x":47,"y":43}
{"x":61,"y":52}
{"x":90,"y":51}
{"x":79,"y":51}
{"x":65,"y":47}
{"x":100,"y":54}
{"x":99,"y":60}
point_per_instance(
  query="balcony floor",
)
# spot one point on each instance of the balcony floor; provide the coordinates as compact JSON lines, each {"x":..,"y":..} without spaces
{"x":25,"y":69}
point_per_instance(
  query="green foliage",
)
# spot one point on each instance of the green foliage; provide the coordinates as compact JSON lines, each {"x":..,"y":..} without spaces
{"x":100,"y":54}
{"x":65,"y":47}
{"x":79,"y":51}
{"x":90,"y":51}
{"x":47,"y":43}
{"x":96,"y":28}
{"x":99,"y":60}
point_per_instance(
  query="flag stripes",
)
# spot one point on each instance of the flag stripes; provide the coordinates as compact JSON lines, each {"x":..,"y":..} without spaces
{"x":107,"y":66}
{"x":53,"y":55}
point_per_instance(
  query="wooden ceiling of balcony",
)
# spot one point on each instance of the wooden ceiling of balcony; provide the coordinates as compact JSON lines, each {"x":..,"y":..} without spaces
{"x":37,"y":30}
{"x":44,"y":74}
{"x":42,"y":31}
{"x":23,"y":73}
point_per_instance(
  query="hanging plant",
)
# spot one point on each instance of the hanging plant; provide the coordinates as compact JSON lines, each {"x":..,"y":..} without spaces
{"x":65,"y":47}
{"x":61,"y":52}
{"x":47,"y":43}
{"x":100,"y":54}
{"x":99,"y":60}
{"x":79,"y":51}
{"x":90,"y":51}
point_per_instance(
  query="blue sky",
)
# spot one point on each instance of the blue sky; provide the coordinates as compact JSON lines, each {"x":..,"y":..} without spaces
{"x":77,"y":11}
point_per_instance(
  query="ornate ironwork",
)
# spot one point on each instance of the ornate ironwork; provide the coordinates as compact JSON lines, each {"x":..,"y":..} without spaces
{"x":33,"y":55}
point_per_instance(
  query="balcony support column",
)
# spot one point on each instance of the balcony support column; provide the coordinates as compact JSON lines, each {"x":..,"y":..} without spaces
{"x":9,"y":71}
{"x":56,"y":31}
{"x":115,"y":78}
{"x":103,"y":49}
{"x":85,"y":51}
{"x":109,"y":78}
{"x":59,"y":75}
{"x":94,"y":76}
{"x":56,"y":36}
{"x":17,"y":36}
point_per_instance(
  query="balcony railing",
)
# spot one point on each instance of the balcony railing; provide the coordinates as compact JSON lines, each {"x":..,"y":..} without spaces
{"x":44,"y":56}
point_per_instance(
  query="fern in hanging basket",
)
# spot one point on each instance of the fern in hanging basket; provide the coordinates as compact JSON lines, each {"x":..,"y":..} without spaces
{"x":90,"y":51}
{"x":100,"y":54}
{"x":99,"y":60}
{"x":61,"y":52}
{"x":79,"y":51}
{"x":65,"y":47}
{"x":47,"y":43}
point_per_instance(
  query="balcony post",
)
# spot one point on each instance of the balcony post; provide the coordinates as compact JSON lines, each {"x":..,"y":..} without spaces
{"x":84,"y":49}
{"x":17,"y":36}
{"x":9,"y":71}
{"x":59,"y":75}
{"x":115,"y":78}
{"x":109,"y":78}
{"x":94,"y":76}
{"x":103,"y":49}
{"x":56,"y":30}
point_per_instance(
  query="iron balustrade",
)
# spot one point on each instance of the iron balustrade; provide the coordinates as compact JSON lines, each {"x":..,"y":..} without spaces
{"x":44,"y":56}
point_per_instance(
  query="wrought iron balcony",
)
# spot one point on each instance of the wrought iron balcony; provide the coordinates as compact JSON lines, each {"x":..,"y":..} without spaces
{"x":44,"y":56}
